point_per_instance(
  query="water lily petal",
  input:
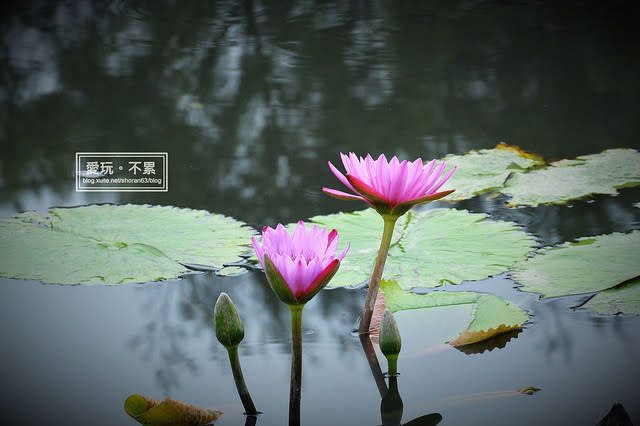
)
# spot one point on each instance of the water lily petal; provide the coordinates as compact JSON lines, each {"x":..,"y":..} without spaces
{"x":341,"y":195}
{"x":344,"y":252}
{"x":366,"y":190}
{"x":320,"y":281}
{"x":390,"y":187}
{"x":433,"y":178}
{"x":340,"y":176}
{"x":296,"y":264}
{"x":332,"y":243}
{"x":259,"y":252}
{"x":444,"y":179}
{"x":403,"y":207}
{"x":277,"y":282}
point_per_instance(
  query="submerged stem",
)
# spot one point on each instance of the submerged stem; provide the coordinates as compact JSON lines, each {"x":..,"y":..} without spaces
{"x":296,"y":364}
{"x":391,"y":406}
{"x":376,"y":371}
{"x":243,"y":391}
{"x":374,"y":283}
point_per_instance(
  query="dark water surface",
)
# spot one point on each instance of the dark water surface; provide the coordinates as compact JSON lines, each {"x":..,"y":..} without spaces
{"x":250,"y":99}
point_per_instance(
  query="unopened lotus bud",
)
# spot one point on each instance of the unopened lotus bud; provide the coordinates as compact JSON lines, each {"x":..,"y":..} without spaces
{"x":389,"y":340}
{"x":229,"y":327}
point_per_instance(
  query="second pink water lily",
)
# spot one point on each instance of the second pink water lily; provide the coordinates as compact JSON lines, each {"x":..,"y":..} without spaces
{"x":299,"y":265}
{"x":391,"y":187}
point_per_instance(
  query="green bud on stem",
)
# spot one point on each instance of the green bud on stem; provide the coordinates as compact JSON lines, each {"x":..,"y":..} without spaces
{"x":230,"y":332}
{"x":229,"y":327}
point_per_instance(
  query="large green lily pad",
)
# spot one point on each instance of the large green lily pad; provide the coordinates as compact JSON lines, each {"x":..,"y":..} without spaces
{"x":566,"y":180}
{"x":457,"y":318}
{"x":585,"y":266}
{"x":486,"y":170}
{"x":110,"y":244}
{"x":429,"y":248}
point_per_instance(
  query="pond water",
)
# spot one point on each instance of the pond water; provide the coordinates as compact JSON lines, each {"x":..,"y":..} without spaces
{"x":250,"y":100}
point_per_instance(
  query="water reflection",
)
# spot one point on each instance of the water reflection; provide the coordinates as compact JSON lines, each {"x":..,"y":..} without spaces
{"x":248,"y":96}
{"x":372,"y":359}
{"x":162,"y":340}
{"x":178,"y":315}
{"x":391,"y":406}
{"x":496,"y":342}
{"x":391,"y":409}
{"x":555,"y":224}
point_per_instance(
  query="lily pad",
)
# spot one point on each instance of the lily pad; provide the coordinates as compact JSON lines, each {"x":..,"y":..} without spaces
{"x":110,"y":244}
{"x":429,"y":248}
{"x":231,"y":271}
{"x":624,"y":299}
{"x":457,"y":318}
{"x":486,"y":170}
{"x":566,"y":180}
{"x":185,"y":235}
{"x":588,"y":265}
{"x":149,"y":411}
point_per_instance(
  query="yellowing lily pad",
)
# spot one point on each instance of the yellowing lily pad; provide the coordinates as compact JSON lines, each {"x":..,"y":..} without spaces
{"x":457,"y":318}
{"x":566,"y":180}
{"x":486,"y":170}
{"x":585,"y":266}
{"x":149,"y":411}
{"x":107,"y":244}
{"x":429,"y":248}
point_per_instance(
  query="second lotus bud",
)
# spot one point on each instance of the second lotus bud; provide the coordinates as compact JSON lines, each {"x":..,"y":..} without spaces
{"x":229,"y":327}
{"x":389,"y":340}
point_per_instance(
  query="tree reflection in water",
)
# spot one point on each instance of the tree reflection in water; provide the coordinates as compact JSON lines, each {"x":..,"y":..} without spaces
{"x":248,"y":97}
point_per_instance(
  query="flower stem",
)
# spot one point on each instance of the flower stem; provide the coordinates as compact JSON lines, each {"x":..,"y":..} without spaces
{"x":247,"y":402}
{"x":393,"y":365}
{"x":296,"y":364}
{"x":374,"y":283}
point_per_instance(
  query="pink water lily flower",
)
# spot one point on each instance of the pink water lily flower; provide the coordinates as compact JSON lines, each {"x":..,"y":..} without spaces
{"x":299,"y":265}
{"x":390,"y":187}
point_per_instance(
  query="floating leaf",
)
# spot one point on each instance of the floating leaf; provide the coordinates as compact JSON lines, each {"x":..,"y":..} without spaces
{"x":185,"y":235}
{"x":149,"y":411}
{"x":110,"y":244}
{"x":34,"y":252}
{"x":624,"y":299}
{"x":486,"y":170}
{"x":481,"y":316}
{"x":231,"y":271}
{"x":529,"y":390}
{"x":498,"y":341}
{"x":429,"y":248}
{"x":587,"y":265}
{"x":572,"y":179}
